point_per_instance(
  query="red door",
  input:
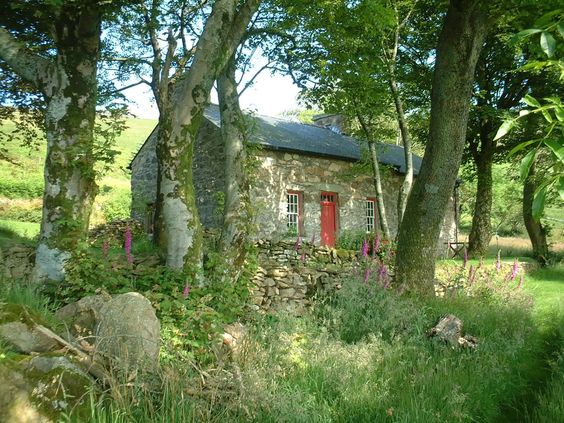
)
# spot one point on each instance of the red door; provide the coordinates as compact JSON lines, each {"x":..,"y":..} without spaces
{"x":328,"y":218}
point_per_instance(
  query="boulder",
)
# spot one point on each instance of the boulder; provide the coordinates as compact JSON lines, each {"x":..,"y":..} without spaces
{"x":16,"y":405}
{"x":82,"y":316}
{"x":37,"y":390}
{"x":18,"y":328}
{"x":128,"y":333}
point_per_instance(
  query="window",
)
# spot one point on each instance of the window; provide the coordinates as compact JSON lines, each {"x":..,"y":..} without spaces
{"x":293,"y":211}
{"x":370,"y":214}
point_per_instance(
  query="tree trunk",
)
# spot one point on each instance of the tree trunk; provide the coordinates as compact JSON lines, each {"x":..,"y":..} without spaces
{"x":177,"y":224}
{"x":69,"y":85}
{"x":377,"y":180}
{"x":459,"y":45}
{"x":378,"y":188}
{"x":481,"y":231}
{"x":406,"y":140}
{"x":237,"y":212}
{"x":536,"y":231}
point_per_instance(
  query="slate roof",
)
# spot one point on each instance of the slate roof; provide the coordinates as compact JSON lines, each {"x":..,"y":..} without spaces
{"x":283,"y":135}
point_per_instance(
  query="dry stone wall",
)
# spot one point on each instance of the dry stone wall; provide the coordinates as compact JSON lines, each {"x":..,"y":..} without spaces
{"x":288,"y":276}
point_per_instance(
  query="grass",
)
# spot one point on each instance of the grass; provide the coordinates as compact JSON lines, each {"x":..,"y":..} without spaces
{"x":24,"y":180}
{"x":12,"y":231}
{"x":363,"y":355}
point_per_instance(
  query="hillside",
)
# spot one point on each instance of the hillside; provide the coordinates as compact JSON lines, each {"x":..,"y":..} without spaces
{"x":21,"y":184}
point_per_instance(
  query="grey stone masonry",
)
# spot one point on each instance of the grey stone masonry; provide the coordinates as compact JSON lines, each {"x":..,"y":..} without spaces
{"x":278,"y":172}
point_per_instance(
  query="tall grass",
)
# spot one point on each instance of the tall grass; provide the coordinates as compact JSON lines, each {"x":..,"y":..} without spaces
{"x":360,"y":356}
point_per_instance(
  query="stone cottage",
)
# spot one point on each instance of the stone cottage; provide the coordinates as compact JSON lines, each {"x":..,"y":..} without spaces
{"x":309,"y":181}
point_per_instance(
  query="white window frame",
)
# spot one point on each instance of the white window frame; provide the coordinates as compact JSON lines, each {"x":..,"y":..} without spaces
{"x":370,"y":214}
{"x":293,"y":211}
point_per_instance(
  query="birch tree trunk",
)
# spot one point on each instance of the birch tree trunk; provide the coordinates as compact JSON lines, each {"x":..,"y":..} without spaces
{"x":406,"y":141}
{"x":177,"y":224}
{"x":460,"y":42}
{"x":237,"y":213}
{"x":69,"y":85}
{"x":376,"y":178}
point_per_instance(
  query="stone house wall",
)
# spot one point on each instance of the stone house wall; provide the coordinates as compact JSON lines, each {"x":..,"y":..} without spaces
{"x":277,"y":173}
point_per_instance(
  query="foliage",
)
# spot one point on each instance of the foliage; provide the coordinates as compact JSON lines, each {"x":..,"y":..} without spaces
{"x":506,"y":213}
{"x":192,"y":316}
{"x":551,"y":143}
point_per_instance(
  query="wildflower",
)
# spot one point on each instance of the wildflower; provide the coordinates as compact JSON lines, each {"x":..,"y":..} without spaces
{"x":514,"y":270}
{"x":298,"y":243}
{"x":303,"y":257}
{"x":366,"y":275}
{"x":471,"y":275}
{"x":186,"y":290}
{"x":105,"y":248}
{"x":498,"y":261}
{"x":383,"y":276}
{"x":520,"y":284}
{"x":127,"y":244}
{"x":377,"y":244}
{"x":364,"y":248}
{"x":465,"y":257}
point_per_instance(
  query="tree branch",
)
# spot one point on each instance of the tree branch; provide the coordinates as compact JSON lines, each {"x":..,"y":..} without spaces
{"x":31,"y":67}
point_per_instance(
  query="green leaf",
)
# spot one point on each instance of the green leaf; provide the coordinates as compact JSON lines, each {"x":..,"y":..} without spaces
{"x":525,"y":33}
{"x":547,"y":116}
{"x":560,"y":187}
{"x":504,"y":128}
{"x":538,"y":203}
{"x":526,"y":164}
{"x":548,"y":44}
{"x":560,"y":27}
{"x":531,"y":101}
{"x":559,"y":112}
{"x":521,"y":146}
{"x":557,"y":147}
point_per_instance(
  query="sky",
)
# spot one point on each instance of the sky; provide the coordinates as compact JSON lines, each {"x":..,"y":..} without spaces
{"x":270,"y":95}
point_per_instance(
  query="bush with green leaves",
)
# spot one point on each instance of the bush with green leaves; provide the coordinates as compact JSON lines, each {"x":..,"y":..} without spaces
{"x":192,"y":313}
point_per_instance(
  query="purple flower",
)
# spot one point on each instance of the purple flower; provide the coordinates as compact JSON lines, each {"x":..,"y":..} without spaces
{"x":298,"y":243}
{"x":366,"y":275}
{"x":186,"y":290}
{"x":465,"y":257}
{"x":127,"y":244}
{"x":364,"y":248}
{"x":383,"y":276}
{"x":303,"y":257}
{"x":498,"y":261}
{"x":377,"y":243}
{"x":514,"y":269}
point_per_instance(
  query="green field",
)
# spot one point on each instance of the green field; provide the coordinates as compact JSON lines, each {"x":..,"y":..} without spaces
{"x":23,"y":179}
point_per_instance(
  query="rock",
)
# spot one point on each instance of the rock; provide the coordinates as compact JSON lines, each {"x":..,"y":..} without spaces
{"x":449,"y":330}
{"x":82,"y":316}
{"x":128,"y":333}
{"x":25,"y":339}
{"x":287,"y":293}
{"x":46,"y":364}
{"x":17,"y":327}
{"x":38,"y":390}
{"x":15,"y":402}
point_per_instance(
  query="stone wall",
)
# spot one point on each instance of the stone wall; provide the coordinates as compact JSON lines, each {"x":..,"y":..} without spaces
{"x":287,"y":278}
{"x":277,"y":173}
{"x":280,"y":172}
{"x":209,"y":177}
